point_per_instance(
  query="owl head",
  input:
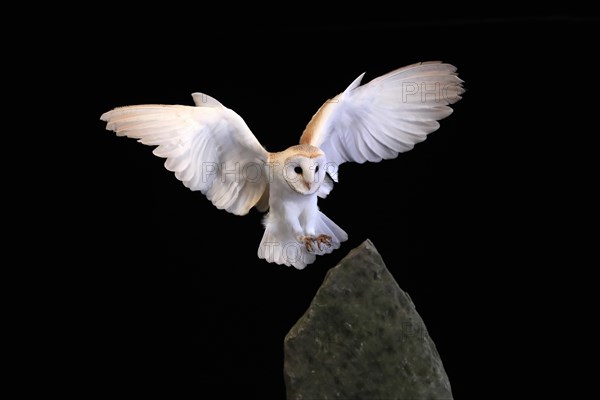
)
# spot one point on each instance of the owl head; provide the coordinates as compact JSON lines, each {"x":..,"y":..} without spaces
{"x":304,"y":168}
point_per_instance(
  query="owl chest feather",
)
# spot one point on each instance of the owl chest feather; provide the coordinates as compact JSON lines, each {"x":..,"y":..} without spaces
{"x":285,"y":201}
{"x":287,"y":205}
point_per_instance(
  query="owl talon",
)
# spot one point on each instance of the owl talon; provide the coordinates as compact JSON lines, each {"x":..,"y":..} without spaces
{"x":319,"y":240}
{"x":325,"y":239}
{"x":307,"y":240}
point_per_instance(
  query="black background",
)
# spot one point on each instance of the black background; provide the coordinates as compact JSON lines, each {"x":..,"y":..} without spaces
{"x":465,"y":222}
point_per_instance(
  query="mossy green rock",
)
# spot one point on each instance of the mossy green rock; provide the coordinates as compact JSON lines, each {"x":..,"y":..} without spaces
{"x":362,"y":338}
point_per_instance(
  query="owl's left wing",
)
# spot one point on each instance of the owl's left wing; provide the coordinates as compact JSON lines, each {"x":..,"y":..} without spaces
{"x":384,"y":117}
{"x":209,"y":147}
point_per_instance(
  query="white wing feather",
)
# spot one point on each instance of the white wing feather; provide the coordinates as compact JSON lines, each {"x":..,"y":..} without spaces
{"x":384,"y":117}
{"x":209,"y":148}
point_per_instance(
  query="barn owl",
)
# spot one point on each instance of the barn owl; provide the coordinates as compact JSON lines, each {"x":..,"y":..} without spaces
{"x":210,"y":148}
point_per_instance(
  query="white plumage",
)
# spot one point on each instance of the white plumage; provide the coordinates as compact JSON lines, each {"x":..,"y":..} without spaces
{"x":210,"y":148}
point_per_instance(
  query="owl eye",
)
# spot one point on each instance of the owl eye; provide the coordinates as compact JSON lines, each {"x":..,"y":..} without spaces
{"x":317,"y":169}
{"x":298,"y":170}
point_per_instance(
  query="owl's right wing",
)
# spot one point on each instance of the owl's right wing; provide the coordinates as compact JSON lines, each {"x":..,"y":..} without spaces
{"x":209,"y":148}
{"x":384,"y":117}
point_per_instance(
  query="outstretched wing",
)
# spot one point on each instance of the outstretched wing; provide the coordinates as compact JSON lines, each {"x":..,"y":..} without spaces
{"x":209,"y":148}
{"x":384,"y":117}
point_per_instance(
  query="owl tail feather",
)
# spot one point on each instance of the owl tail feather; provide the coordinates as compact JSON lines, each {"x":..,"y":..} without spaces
{"x":279,"y":245}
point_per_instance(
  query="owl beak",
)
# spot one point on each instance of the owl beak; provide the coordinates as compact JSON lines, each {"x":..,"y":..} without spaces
{"x":308,"y":184}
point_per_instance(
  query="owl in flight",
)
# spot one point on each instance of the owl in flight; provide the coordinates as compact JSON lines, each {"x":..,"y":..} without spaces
{"x":210,"y":148}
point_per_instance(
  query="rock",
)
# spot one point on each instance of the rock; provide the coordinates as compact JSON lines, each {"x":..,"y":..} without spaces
{"x":362,"y":338}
